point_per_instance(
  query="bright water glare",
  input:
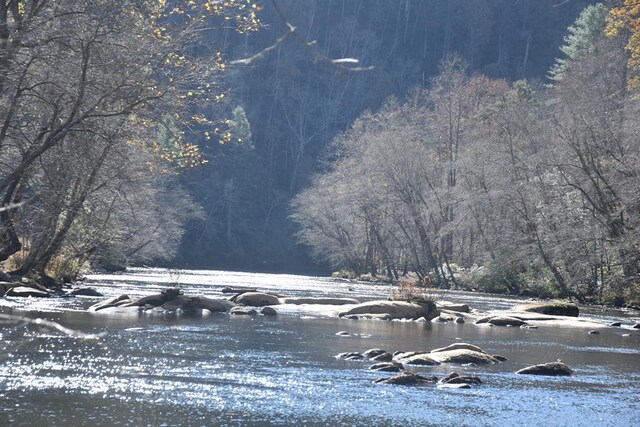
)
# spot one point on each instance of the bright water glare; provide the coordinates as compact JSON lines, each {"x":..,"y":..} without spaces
{"x":235,"y":370}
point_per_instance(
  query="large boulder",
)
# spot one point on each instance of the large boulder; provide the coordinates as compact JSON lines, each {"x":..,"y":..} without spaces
{"x":318,"y":300}
{"x":557,"y":308}
{"x":395,"y":309}
{"x":256,"y":299}
{"x":463,"y":356}
{"x":553,"y":369}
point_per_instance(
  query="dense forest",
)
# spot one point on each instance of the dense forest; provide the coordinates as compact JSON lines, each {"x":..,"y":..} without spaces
{"x":484,"y":144}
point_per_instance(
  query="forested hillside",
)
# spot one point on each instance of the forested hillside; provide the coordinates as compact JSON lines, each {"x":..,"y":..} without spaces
{"x":296,"y":104}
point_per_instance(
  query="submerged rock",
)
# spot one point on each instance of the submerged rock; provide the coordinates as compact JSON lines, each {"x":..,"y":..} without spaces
{"x":243,"y":311}
{"x":558,"y":308}
{"x":407,"y":378}
{"x":350,"y":355}
{"x":395,"y":309}
{"x":552,"y":369}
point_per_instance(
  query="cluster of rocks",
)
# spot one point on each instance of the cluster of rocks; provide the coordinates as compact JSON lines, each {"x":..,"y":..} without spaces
{"x":25,"y":289}
{"x":462,"y":354}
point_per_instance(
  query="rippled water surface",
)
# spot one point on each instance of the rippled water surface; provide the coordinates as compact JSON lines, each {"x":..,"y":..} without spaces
{"x":224,"y":370}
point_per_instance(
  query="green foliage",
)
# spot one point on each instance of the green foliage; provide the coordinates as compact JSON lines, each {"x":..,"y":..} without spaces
{"x":582,"y":39}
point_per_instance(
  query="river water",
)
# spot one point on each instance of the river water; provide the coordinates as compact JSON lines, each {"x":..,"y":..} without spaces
{"x":235,"y":370}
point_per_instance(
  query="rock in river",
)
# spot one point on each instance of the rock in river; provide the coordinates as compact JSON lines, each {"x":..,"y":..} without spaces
{"x":243,"y":311}
{"x":459,"y":346}
{"x":553,"y":368}
{"x":558,"y":308}
{"x":463,"y":356}
{"x":256,"y":299}
{"x":395,"y":309}
{"x":386,"y":367}
{"x":24,"y":291}
{"x":407,"y":378}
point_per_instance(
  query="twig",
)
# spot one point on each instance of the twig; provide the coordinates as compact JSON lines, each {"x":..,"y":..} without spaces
{"x":310,"y":45}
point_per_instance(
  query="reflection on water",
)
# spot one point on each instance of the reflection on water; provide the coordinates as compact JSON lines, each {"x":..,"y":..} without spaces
{"x":223,"y":370}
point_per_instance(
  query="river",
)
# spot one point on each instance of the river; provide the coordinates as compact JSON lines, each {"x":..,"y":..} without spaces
{"x":236,"y":370}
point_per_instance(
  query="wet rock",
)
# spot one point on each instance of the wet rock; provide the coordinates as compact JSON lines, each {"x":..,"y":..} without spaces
{"x":636,"y":326}
{"x":215,"y":305}
{"x":552,"y":369}
{"x":395,"y":309}
{"x":24,"y":291}
{"x":455,"y":378}
{"x":407,"y":378}
{"x":463,"y":356}
{"x":419,"y":360}
{"x":454,"y":385}
{"x":5,"y":286}
{"x":86,"y":292}
{"x":558,"y":308}
{"x":506,"y":321}
{"x":256,"y":299}
{"x":459,"y":319}
{"x":341,"y":333}
{"x":387,"y":367}
{"x":384,"y":357}
{"x":111,"y":302}
{"x":318,"y":300}
{"x":459,"y":346}
{"x":499,"y":358}
{"x":350,"y":355}
{"x":615,"y":324}
{"x":269,"y":311}
{"x":373,"y":352}
{"x":243,"y":311}
{"x":594,"y":332}
{"x":441,"y":319}
{"x":421,"y":320}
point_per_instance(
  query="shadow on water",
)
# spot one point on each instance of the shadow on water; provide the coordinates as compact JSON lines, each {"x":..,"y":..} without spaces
{"x":224,"y":370}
